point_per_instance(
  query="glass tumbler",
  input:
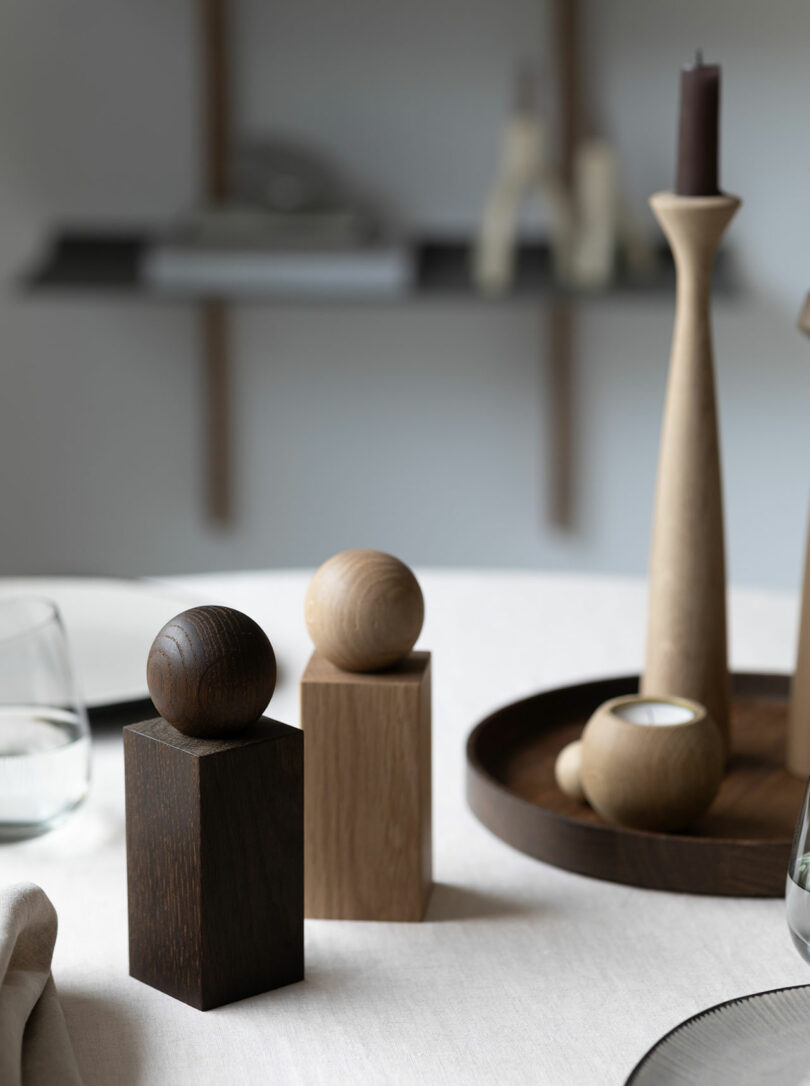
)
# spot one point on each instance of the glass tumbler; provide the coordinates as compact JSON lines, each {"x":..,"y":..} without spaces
{"x":44,"y":735}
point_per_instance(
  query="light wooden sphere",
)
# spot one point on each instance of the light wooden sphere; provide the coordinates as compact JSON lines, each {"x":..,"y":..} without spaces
{"x":568,"y":771}
{"x":211,"y":671}
{"x":364,"y":610}
{"x":651,"y":777}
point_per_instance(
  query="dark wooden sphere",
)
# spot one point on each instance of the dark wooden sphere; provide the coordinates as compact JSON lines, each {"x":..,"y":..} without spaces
{"x":211,"y":671}
{"x":364,"y":610}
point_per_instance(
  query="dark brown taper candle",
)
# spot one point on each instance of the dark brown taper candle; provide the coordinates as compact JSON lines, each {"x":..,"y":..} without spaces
{"x":698,"y":133}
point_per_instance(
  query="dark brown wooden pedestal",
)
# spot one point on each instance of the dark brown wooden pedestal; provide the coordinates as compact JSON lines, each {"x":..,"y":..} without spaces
{"x":215,"y":860}
{"x":368,"y":803}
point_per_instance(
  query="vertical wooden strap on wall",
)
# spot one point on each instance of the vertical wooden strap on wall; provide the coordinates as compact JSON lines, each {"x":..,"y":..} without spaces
{"x":214,"y":312}
{"x":560,"y":335}
{"x":561,"y":414}
{"x":217,"y":411}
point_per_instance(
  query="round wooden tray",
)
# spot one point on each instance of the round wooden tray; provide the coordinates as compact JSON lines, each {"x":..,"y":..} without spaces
{"x":741,"y":847}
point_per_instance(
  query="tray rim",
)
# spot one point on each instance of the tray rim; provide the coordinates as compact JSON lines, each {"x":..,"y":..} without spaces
{"x":481,"y":784}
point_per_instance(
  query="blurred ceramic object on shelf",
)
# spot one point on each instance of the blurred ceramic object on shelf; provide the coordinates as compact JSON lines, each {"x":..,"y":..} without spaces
{"x":596,"y":204}
{"x":523,"y":171}
{"x":291,"y":229}
{"x":280,"y":176}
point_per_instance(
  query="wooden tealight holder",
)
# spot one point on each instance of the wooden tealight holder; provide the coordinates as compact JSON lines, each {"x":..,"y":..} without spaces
{"x":214,"y":814}
{"x":365,"y":713}
{"x":686,"y":636}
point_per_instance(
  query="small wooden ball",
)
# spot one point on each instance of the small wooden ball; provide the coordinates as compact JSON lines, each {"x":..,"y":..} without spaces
{"x":211,"y":671}
{"x":567,"y":771}
{"x":364,"y":610}
{"x":651,"y":776}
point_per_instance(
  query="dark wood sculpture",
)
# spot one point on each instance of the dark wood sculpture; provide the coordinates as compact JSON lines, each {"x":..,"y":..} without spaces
{"x":215,"y":845}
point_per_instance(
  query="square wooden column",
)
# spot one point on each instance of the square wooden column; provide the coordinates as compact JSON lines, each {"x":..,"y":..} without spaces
{"x":215,"y":860}
{"x":368,"y":850}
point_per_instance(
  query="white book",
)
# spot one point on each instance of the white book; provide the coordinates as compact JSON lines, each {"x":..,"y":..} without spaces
{"x":189,"y":269}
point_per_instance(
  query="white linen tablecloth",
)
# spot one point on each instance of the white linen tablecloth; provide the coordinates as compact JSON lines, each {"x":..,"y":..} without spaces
{"x":521,"y":973}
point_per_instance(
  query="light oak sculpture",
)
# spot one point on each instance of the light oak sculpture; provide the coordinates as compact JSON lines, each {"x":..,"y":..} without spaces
{"x":798,"y":736}
{"x":686,"y":635}
{"x":650,"y":777}
{"x":364,"y":610}
{"x":367,"y":740}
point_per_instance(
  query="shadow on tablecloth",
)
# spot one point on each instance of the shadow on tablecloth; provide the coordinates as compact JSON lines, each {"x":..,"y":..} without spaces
{"x":450,"y":902}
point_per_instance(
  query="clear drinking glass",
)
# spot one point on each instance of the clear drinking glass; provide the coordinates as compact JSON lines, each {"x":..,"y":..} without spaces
{"x":797,"y":888}
{"x":44,"y":735}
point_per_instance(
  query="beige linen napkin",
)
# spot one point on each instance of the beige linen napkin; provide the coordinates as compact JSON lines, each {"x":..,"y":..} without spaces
{"x":35,"y":1048}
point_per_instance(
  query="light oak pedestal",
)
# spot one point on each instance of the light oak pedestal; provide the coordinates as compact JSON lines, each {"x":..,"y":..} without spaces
{"x":686,"y":634}
{"x":367,"y":774}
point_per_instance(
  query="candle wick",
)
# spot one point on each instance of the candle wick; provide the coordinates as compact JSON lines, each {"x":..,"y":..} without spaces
{"x":698,"y":58}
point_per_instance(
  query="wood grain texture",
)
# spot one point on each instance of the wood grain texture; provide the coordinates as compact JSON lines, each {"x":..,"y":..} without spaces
{"x":741,"y":847}
{"x":364,"y":610}
{"x":651,"y":777}
{"x":686,"y":634}
{"x":368,"y":790}
{"x":215,"y":861}
{"x":211,"y":671}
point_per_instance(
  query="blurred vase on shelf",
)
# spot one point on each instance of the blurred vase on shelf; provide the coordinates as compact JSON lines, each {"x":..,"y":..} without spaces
{"x":589,"y":226}
{"x":523,"y":171}
{"x":44,"y":734}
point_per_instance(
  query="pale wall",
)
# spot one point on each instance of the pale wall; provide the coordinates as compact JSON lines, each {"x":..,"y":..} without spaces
{"x":420,"y":429}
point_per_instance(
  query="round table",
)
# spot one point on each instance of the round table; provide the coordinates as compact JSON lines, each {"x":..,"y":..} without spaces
{"x":519,"y":973}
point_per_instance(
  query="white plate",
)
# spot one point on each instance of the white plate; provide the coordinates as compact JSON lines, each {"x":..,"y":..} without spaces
{"x":110,"y":625}
{"x":758,"y":1039}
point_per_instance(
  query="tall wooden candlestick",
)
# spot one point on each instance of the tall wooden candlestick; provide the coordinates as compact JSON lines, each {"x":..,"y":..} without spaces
{"x":686,"y":635}
{"x":687,"y":653}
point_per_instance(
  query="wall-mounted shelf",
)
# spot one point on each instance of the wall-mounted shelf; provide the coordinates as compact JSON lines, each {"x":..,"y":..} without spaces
{"x":109,"y":264}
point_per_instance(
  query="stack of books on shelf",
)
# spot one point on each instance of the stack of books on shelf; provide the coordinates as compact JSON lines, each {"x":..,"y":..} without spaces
{"x":236,"y":252}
